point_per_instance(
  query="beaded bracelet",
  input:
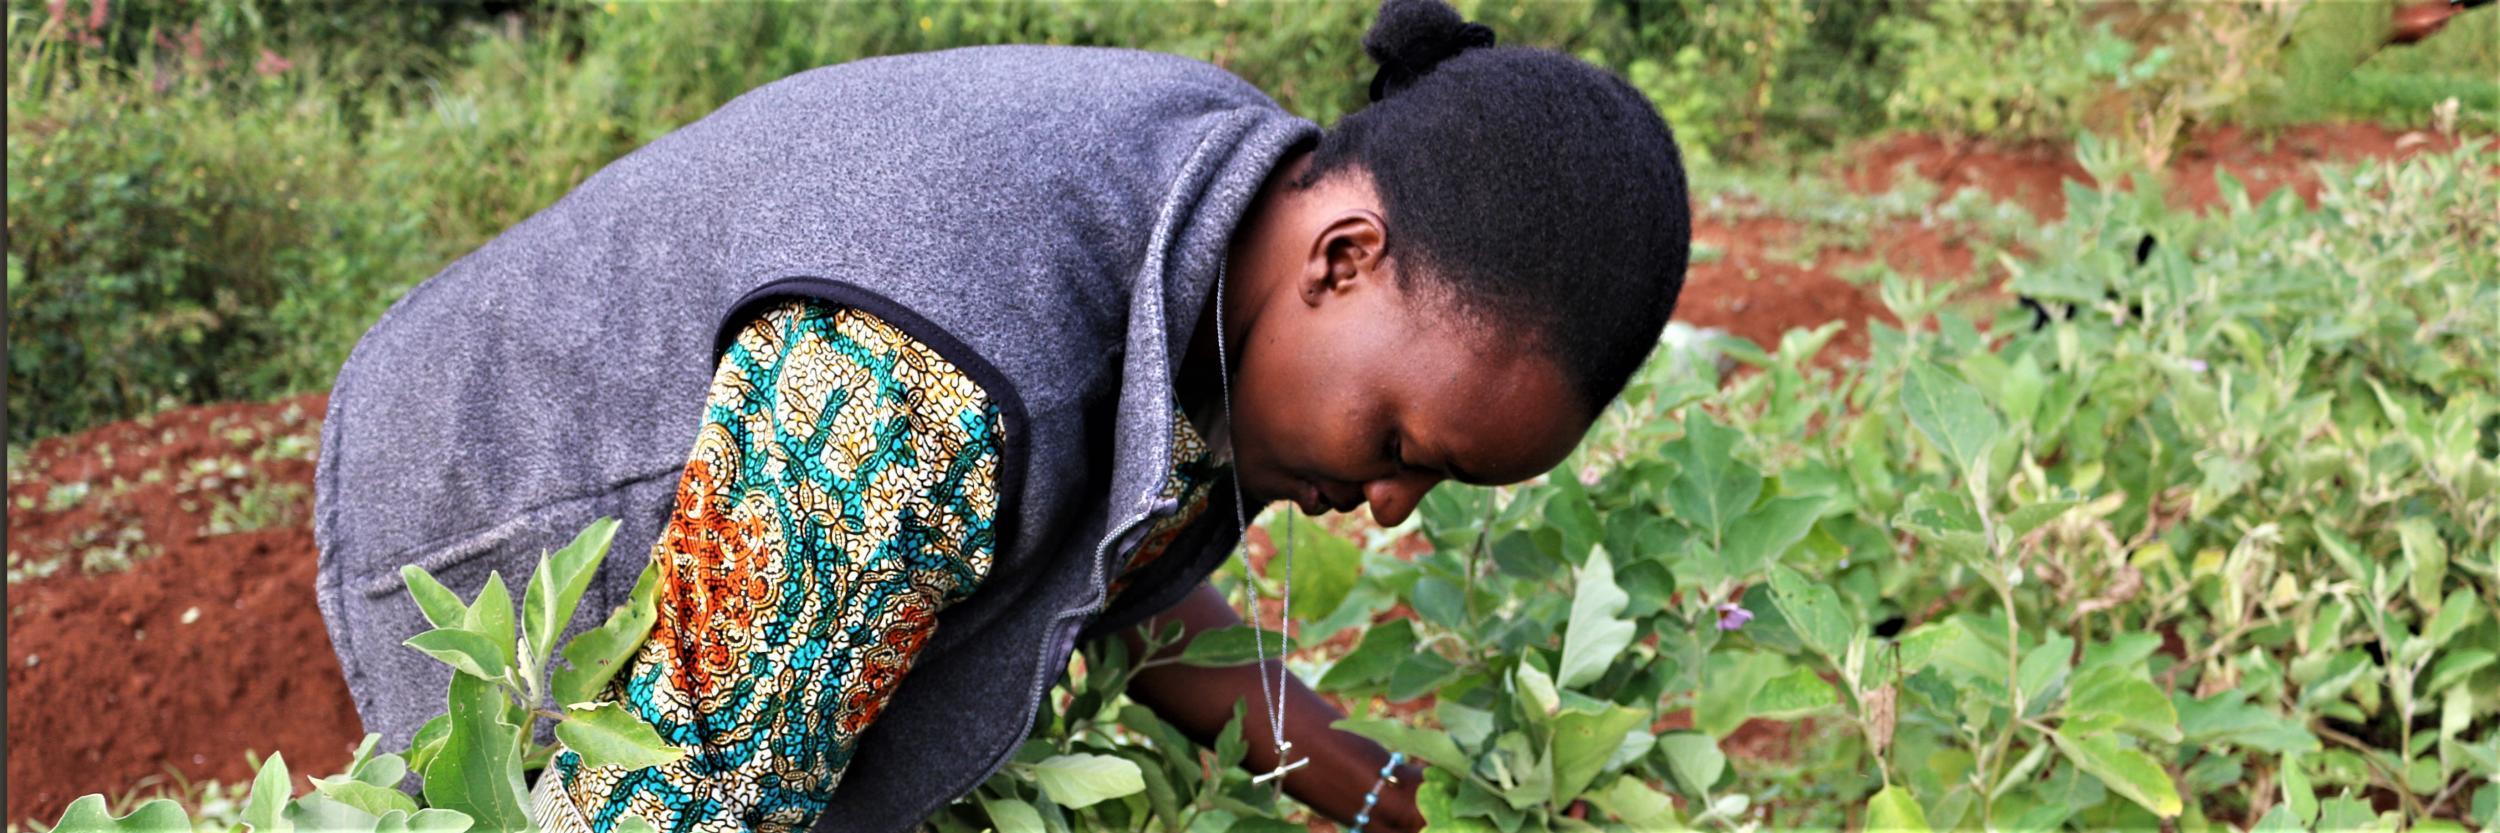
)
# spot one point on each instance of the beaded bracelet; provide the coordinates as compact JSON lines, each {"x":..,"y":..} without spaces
{"x":1388,"y":775}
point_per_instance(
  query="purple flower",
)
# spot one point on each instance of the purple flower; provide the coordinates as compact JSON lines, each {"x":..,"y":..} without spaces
{"x":2197,"y":365}
{"x":1733,"y":616}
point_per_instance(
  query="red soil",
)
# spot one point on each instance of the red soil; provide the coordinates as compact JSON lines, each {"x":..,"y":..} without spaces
{"x":108,"y":685}
{"x":2035,"y":176}
{"x":208,"y":647}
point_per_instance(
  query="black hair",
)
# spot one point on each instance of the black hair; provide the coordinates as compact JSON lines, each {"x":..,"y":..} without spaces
{"x":1547,"y":194}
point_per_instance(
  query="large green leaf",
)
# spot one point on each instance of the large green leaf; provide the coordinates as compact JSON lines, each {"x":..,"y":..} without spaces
{"x":2123,"y":696}
{"x":556,"y":589}
{"x":441,"y":607}
{"x":265,"y":811}
{"x":1695,"y":760}
{"x":1795,"y":694}
{"x":1712,"y":488}
{"x":88,"y":814}
{"x":492,"y":615}
{"x":1764,"y":534}
{"x":1893,"y":809}
{"x":1813,"y":610}
{"x":1013,"y":816}
{"x":478,"y":771}
{"x":1236,"y":645}
{"x":597,"y":654}
{"x":1595,"y":636}
{"x":1950,"y":412}
{"x":608,"y":735}
{"x":1424,"y":745}
{"x":2128,"y":772}
{"x":368,"y":798}
{"x":1081,"y":780}
{"x":1324,"y":568}
{"x":468,"y":651}
{"x":1583,"y":742}
{"x":1370,"y":662}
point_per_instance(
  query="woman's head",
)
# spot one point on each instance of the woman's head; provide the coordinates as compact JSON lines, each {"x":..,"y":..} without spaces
{"x":1468,"y":270}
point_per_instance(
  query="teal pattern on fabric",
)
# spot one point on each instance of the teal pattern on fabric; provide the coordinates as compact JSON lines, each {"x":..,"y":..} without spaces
{"x":840,"y":494}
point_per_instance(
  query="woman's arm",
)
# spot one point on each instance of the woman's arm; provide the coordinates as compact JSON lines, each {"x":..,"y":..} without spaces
{"x":1200,"y":700}
{"x":838,"y":496}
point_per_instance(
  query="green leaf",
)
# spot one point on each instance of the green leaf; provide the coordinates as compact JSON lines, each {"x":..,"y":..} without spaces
{"x":1081,"y":780}
{"x":2297,"y":793}
{"x":1894,"y":809}
{"x":1595,"y":637}
{"x":1583,"y":743}
{"x":1695,"y":760}
{"x":1013,"y":816}
{"x":88,"y":814}
{"x":1813,"y":610}
{"x":2121,"y":695}
{"x":467,"y":651}
{"x":1434,"y":799}
{"x":1766,"y":533}
{"x":1370,"y":662}
{"x":1428,"y":746}
{"x":314,"y":811}
{"x":1537,"y":688}
{"x":1236,"y":645}
{"x":556,"y":588}
{"x":2429,"y":556}
{"x":1951,"y":413}
{"x":428,"y":742}
{"x":597,"y":654}
{"x":271,"y":787}
{"x":1795,"y":694}
{"x":441,"y":607}
{"x":363,"y":796}
{"x":492,"y":616}
{"x":631,"y":823}
{"x":608,"y":735}
{"x":2024,"y":519}
{"x":2128,"y":772}
{"x":478,"y":771}
{"x":1638,"y":806}
{"x":1325,"y":566}
{"x":1711,"y":487}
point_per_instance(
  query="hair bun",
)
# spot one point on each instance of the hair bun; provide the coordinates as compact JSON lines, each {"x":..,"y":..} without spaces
{"x":1413,"y":36}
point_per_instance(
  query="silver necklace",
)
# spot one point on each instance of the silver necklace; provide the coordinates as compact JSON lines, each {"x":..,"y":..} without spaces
{"x":1274,"y":690}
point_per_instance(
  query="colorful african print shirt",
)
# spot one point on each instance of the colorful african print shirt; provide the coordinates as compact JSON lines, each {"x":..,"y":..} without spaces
{"x":840,"y":494}
{"x":1194,"y":469}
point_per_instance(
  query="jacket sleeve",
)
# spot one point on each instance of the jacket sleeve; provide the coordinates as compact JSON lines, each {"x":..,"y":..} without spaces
{"x":839,"y":495}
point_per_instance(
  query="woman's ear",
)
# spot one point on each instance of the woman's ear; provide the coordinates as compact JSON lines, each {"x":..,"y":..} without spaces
{"x":1351,"y":250}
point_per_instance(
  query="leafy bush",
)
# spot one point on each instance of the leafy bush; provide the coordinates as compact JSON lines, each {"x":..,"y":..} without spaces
{"x":472,"y":758}
{"x":2070,"y":577}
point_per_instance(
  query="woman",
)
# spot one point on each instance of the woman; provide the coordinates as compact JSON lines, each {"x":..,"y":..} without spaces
{"x":989,"y":351}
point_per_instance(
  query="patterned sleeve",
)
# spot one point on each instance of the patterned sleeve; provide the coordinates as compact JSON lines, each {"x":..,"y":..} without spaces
{"x":840,"y":494}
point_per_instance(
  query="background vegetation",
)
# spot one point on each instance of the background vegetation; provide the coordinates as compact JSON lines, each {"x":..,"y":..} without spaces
{"x":210,"y":201}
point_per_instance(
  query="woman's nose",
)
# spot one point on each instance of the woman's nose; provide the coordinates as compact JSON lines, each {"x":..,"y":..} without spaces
{"x":1394,"y":498}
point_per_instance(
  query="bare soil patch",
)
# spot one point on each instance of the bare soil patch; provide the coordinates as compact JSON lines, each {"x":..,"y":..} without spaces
{"x":206,"y":645}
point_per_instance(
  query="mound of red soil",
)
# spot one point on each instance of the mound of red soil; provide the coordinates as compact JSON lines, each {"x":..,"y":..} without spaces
{"x":206,"y":645}
{"x":2034,"y":176}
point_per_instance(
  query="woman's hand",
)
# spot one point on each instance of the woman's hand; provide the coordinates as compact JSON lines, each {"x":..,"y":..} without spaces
{"x":1340,"y":766}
